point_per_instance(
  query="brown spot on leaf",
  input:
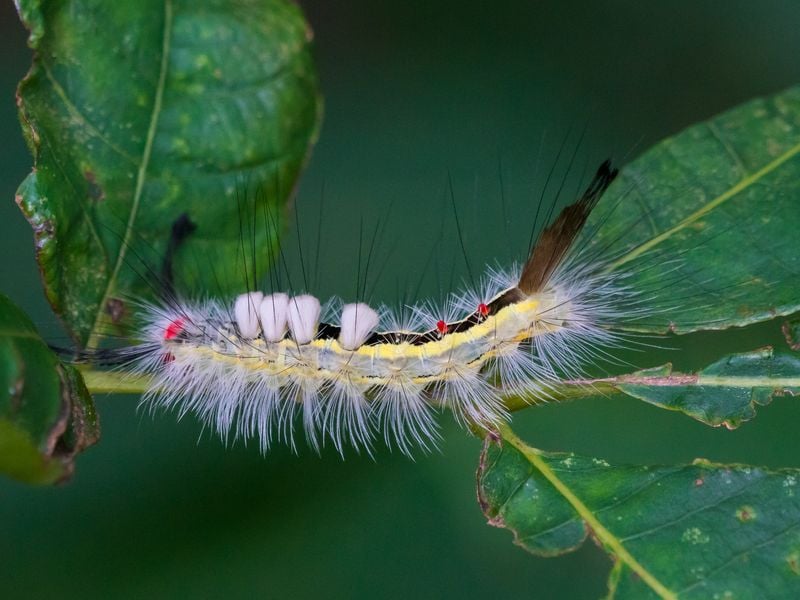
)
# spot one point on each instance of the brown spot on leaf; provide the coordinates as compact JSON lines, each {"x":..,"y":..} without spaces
{"x":745,"y":513}
{"x":793,"y":560}
{"x":115,"y":308}
{"x":94,"y":190}
{"x":497,"y":521}
{"x":788,"y":335}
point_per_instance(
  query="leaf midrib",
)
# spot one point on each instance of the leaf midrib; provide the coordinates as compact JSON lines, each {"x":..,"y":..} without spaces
{"x":677,"y":380}
{"x":749,"y":382}
{"x":142,"y":172}
{"x":603,"y":534}
{"x":711,"y":205}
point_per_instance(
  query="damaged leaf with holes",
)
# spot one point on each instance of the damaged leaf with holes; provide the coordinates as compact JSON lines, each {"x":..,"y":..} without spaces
{"x":46,"y":413}
{"x":139,"y":112}
{"x":791,"y":333}
{"x":726,"y":392}
{"x":702,"y":530}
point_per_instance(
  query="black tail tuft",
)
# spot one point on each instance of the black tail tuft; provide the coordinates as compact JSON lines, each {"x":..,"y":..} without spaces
{"x":182,"y":227}
{"x":558,"y":237}
{"x":101,"y":357}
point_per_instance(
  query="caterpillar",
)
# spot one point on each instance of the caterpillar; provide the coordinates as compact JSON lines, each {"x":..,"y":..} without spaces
{"x":350,"y":372}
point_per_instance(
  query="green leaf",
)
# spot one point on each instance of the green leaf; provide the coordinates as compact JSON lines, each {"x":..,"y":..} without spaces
{"x":724,"y":393}
{"x":713,"y":215}
{"x":46,"y":413}
{"x":137,"y":112}
{"x":695,"y":531}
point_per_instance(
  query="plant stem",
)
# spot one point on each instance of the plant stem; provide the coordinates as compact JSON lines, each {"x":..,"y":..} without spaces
{"x":117,"y":382}
{"x":114,"y":382}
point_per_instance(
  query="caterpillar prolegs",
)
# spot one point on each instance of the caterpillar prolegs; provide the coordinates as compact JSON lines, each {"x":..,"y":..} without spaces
{"x":260,"y":365}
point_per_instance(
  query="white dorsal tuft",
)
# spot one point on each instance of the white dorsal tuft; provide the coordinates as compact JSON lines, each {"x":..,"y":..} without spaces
{"x":358,"y":321}
{"x":245,"y":310}
{"x":274,"y":311}
{"x":303,"y":318}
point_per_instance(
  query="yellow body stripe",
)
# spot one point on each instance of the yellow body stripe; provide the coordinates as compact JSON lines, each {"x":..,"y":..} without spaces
{"x":518,"y":322}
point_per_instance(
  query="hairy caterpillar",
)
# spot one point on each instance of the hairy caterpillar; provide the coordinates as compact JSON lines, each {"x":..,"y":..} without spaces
{"x":249,"y":368}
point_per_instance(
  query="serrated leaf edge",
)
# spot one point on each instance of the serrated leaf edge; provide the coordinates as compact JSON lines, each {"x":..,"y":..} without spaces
{"x":598,"y":530}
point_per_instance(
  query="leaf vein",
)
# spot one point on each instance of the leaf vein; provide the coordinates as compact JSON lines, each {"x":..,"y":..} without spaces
{"x":738,"y":492}
{"x":143,"y":166}
{"x":731,"y":192}
{"x":564,"y":523}
{"x":602,"y":533}
{"x":515,"y":491}
{"x":634,"y":493}
{"x":715,"y":131}
{"x":76,"y":114}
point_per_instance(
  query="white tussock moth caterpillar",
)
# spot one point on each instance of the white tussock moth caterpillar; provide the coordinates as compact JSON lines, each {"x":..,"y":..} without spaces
{"x":248,"y":367}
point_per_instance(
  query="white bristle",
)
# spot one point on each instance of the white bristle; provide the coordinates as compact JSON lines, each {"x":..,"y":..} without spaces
{"x":274,"y":311}
{"x":358,"y":321}
{"x":245,"y":310}
{"x":303,"y":318}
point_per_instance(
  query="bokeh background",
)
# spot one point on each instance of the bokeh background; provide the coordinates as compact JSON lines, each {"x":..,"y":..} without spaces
{"x":414,"y":91}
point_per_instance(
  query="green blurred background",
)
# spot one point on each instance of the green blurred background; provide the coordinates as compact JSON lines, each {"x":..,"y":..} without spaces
{"x":414,"y":90}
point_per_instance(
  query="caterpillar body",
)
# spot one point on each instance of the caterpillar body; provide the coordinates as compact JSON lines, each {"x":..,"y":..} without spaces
{"x":350,"y":372}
